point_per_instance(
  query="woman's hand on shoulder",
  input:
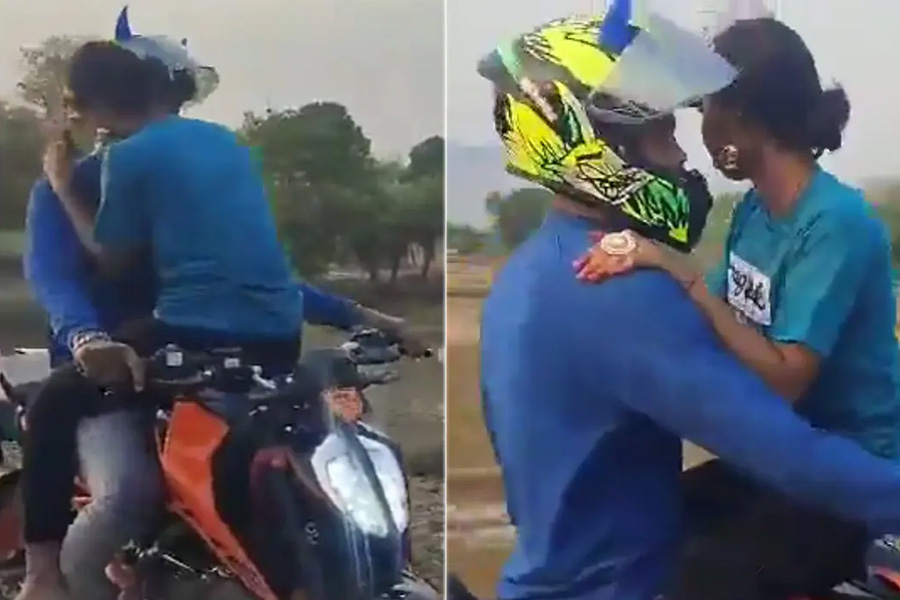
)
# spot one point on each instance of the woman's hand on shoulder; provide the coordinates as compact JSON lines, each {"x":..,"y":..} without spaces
{"x":624,"y":251}
{"x":617,"y":253}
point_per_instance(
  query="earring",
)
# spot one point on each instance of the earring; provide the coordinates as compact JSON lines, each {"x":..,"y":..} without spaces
{"x":729,"y":157}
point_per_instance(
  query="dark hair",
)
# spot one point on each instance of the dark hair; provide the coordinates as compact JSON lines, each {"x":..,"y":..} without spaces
{"x":181,"y":89}
{"x":778,"y":86}
{"x":104,"y":75}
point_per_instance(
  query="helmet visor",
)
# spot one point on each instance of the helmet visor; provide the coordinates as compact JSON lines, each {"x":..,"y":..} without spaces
{"x":664,"y":68}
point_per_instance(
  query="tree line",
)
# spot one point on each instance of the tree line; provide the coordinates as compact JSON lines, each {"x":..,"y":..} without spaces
{"x":516,"y":214}
{"x":334,"y":201}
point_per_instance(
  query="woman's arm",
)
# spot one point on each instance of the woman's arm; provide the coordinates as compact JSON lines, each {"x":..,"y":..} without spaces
{"x":53,"y":268}
{"x":788,"y":368}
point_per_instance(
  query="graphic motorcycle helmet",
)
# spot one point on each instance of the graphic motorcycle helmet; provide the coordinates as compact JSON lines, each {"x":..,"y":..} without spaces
{"x":204,"y":80}
{"x":567,"y":94}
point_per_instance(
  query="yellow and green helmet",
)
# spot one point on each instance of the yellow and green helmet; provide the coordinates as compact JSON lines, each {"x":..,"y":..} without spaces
{"x":554,"y":86}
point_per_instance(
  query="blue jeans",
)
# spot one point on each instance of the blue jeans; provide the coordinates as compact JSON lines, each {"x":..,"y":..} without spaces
{"x":121,"y":469}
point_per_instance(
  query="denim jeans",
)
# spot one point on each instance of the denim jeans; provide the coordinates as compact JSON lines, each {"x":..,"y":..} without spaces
{"x":119,"y":465}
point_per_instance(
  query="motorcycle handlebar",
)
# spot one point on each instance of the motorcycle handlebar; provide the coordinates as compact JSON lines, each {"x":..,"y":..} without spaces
{"x":174,"y":368}
{"x":377,"y":347}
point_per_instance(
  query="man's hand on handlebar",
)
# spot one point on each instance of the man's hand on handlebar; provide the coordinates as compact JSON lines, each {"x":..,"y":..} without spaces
{"x":411,"y":344}
{"x":110,"y":363}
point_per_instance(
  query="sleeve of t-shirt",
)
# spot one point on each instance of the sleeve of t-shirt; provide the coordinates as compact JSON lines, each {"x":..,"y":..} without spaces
{"x":673,"y":369}
{"x":121,"y":221}
{"x":822,"y":281}
{"x":322,"y":308}
{"x":53,"y":261}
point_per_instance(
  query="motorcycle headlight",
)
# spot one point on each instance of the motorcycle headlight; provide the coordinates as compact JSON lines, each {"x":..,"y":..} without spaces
{"x":390,"y":476}
{"x":344,"y":480}
{"x":355,"y":495}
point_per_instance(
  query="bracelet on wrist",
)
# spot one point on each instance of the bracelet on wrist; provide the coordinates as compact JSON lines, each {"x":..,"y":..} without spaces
{"x":85,"y":337}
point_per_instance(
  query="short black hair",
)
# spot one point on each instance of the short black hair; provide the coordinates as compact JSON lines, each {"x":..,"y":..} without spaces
{"x":182,"y":88}
{"x":104,"y":75}
{"x":778,"y":86}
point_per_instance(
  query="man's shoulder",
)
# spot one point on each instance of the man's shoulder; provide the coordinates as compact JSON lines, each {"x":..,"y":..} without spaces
{"x":187,"y":126}
{"x":636,"y":306}
{"x":646,"y":296}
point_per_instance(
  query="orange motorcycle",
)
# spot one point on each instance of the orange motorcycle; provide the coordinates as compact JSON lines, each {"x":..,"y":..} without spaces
{"x":276,"y":489}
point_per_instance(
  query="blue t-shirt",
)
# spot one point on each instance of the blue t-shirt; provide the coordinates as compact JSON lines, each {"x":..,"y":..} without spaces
{"x":189,"y":190}
{"x":586,"y":390}
{"x":63,"y":276}
{"x":821,"y":277}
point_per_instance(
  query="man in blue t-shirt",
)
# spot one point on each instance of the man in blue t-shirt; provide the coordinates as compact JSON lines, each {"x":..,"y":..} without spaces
{"x":88,"y":306}
{"x":78,"y":299}
{"x":588,"y":390}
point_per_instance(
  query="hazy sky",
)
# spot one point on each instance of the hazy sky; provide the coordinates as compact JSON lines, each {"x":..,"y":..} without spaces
{"x":854,"y":42}
{"x":383,"y":59}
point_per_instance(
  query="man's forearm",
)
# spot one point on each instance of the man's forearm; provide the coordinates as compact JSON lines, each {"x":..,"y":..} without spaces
{"x":707,"y":398}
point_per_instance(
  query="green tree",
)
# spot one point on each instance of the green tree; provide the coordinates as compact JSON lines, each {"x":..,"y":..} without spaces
{"x":396,"y":213}
{"x":465,"y":239}
{"x":319,"y":142}
{"x":426,"y":158}
{"x":21,"y":139}
{"x":318,"y":168}
{"x":21,"y":143}
{"x":45,"y":67}
{"x":374,"y":228}
{"x":424,"y":205}
{"x":518,"y":214}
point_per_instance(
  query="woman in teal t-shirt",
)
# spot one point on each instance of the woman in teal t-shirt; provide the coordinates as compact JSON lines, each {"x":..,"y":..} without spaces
{"x":803,"y":294}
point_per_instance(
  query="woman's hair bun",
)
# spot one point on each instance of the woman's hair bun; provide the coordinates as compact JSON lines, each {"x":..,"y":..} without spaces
{"x":827,"y":120}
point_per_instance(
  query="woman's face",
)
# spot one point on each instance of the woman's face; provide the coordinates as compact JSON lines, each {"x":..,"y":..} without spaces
{"x":734,"y":147}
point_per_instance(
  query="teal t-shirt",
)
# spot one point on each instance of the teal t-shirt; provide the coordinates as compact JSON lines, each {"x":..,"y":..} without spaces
{"x":821,"y":277}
